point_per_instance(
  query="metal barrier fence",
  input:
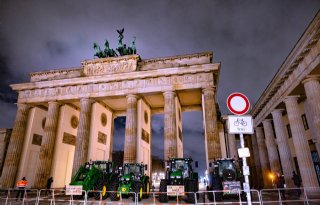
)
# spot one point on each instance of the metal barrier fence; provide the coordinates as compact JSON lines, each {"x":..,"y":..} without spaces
{"x":289,"y":196}
{"x":304,"y":196}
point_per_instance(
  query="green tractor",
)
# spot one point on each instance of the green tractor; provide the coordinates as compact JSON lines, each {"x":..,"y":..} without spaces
{"x":131,"y":180}
{"x":96,"y":175}
{"x":180,"y":178}
{"x":226,"y":178}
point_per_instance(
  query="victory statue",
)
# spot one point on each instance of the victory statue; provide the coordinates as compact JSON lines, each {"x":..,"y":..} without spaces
{"x":122,"y":48}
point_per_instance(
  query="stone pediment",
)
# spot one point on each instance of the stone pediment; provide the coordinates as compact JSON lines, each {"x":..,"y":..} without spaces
{"x":110,"y":65}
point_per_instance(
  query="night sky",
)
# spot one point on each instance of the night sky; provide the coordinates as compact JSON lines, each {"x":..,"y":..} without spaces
{"x":251,"y":39}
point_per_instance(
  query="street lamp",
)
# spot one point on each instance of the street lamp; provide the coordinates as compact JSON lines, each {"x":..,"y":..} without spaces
{"x":271,"y":175}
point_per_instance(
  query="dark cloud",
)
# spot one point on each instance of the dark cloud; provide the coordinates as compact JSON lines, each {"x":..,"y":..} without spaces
{"x":56,"y":48}
{"x":6,"y":77}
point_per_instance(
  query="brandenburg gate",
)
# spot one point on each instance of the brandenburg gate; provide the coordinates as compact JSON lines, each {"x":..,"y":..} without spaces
{"x":65,"y":117}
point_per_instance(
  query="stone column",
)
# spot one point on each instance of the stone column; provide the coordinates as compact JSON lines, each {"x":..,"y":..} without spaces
{"x":257,"y":164}
{"x":47,"y":146}
{"x":83,"y":134}
{"x":111,"y":137}
{"x":130,"y":145}
{"x":312,"y":88}
{"x":308,"y":175}
{"x":170,"y":134}
{"x":283,"y":146}
{"x":233,"y":151}
{"x":211,"y":128}
{"x":264,"y":161}
{"x":271,"y":146}
{"x":11,"y":163}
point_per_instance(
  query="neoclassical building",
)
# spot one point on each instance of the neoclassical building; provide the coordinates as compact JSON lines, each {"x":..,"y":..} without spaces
{"x":287,"y":115}
{"x":65,"y":116}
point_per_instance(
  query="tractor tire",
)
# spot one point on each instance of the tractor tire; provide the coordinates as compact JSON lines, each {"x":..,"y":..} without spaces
{"x":103,"y":187}
{"x":163,"y":197}
{"x":138,"y":190}
{"x":191,"y":187}
{"x":218,"y":196}
{"x":243,"y":196}
{"x":146,"y":190}
{"x":114,"y":195}
{"x":78,"y":197}
{"x":210,"y":195}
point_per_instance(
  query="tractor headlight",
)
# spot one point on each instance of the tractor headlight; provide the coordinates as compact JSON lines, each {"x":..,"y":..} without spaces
{"x":171,"y":177}
{"x":178,"y":177}
{"x":121,"y":178}
{"x":127,"y":179}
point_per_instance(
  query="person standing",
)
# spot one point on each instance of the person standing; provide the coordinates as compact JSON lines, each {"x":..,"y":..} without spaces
{"x":280,"y":184}
{"x":21,"y":184}
{"x":297,"y":182}
{"x":49,"y":182}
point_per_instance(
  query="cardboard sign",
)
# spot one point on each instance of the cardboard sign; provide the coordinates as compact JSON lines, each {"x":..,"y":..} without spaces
{"x":175,"y":190}
{"x":74,"y":190}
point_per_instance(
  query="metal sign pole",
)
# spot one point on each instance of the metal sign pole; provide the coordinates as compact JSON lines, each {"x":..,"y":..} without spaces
{"x":246,"y":177}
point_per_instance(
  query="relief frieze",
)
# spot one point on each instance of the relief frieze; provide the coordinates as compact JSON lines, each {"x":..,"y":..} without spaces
{"x":73,"y":91}
{"x":110,"y":66}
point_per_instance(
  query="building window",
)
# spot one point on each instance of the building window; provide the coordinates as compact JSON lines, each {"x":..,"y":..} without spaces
{"x":289,"y":131}
{"x":305,"y":122}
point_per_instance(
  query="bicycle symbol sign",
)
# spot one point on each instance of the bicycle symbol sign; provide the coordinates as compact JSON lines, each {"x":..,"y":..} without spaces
{"x":240,"y":124}
{"x":240,"y":121}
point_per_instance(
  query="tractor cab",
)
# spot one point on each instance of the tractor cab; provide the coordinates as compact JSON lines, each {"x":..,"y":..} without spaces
{"x":132,"y":179}
{"x":180,"y":180}
{"x":133,"y":170}
{"x":179,"y":168}
{"x":225,"y":176}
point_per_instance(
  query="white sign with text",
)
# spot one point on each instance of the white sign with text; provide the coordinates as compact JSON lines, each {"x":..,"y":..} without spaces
{"x":240,"y":124}
{"x":74,"y":190}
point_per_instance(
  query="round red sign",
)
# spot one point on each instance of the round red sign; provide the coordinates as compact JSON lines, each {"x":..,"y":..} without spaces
{"x":238,"y":103}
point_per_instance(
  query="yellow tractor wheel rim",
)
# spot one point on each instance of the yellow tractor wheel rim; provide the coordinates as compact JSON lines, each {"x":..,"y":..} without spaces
{"x":140,"y":193}
{"x":104,"y":190}
{"x":147,"y":188}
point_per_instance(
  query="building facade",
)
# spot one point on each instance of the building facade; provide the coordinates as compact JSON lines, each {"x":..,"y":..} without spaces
{"x":287,"y":115}
{"x":65,"y":117}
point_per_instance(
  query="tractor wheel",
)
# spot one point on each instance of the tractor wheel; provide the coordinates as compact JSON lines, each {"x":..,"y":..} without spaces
{"x":102,"y":187}
{"x":210,"y":195}
{"x":114,"y":195}
{"x":146,"y":190}
{"x":163,"y":197}
{"x":191,"y":188}
{"x":138,"y":190}
{"x":219,"y":196}
{"x":243,"y":196}
{"x":78,"y":197}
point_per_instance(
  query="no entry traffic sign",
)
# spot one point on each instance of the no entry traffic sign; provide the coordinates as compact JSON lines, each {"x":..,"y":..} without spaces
{"x":238,"y":103}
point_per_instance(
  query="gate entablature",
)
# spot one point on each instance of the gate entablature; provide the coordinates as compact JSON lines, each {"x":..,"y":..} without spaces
{"x":134,"y":77}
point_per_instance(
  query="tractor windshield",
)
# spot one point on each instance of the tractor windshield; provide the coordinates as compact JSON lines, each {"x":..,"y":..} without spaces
{"x":226,"y":165}
{"x":181,"y":165}
{"x":133,"y":168}
{"x":105,"y":166}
